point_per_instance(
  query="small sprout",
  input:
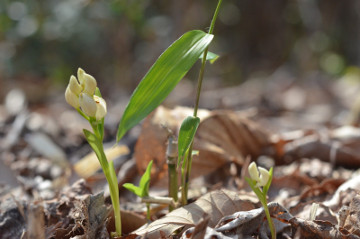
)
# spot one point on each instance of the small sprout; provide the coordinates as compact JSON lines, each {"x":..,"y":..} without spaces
{"x":143,"y":189}
{"x":259,"y":181}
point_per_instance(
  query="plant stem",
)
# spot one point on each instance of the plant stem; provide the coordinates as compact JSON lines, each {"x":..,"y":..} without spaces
{"x":109,"y":171}
{"x":171,"y":154}
{"x":269,"y":219}
{"x":114,"y":195}
{"x":185,"y":182}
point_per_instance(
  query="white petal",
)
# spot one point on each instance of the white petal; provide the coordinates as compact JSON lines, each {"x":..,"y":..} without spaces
{"x":100,"y":107}
{"x":89,"y":84}
{"x":74,"y":85}
{"x":87,"y":104}
{"x":264,"y":176}
{"x":80,"y":75}
{"x":71,"y":98}
{"x":253,"y":172}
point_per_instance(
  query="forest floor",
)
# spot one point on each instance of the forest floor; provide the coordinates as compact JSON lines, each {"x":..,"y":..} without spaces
{"x":53,"y":187}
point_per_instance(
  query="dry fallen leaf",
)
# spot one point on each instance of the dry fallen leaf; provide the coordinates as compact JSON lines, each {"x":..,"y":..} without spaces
{"x":352,"y":219}
{"x":247,"y":223}
{"x":217,"y":204}
{"x":222,"y":137}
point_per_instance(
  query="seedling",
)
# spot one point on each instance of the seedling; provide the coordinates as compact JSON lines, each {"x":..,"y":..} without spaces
{"x":143,"y":189}
{"x":260,"y":181}
{"x":84,"y":95}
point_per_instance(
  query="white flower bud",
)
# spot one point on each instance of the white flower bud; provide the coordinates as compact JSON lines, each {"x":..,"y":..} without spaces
{"x":101,"y":107}
{"x":260,"y":175}
{"x":89,"y":84}
{"x":264,"y":177}
{"x":87,"y":104}
{"x":74,"y":85}
{"x":71,"y":98}
{"x":253,"y":172}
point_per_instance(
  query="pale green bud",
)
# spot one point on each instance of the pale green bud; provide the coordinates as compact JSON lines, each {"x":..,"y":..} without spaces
{"x":100,"y":107}
{"x":87,"y":104}
{"x":74,"y":85}
{"x":71,"y":98}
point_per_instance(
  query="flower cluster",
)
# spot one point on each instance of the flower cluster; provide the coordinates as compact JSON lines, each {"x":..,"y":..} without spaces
{"x":259,"y":174}
{"x":80,"y":94}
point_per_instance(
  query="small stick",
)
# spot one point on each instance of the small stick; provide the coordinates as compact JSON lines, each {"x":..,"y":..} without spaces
{"x":160,"y":200}
{"x":171,"y":155}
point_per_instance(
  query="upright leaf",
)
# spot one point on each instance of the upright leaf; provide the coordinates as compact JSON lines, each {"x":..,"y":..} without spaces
{"x":143,"y":189}
{"x":97,"y":147}
{"x":162,"y":77}
{"x":145,"y":180}
{"x":186,"y":135}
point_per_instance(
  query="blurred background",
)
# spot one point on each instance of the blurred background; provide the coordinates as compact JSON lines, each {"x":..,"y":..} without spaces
{"x":43,"y":42}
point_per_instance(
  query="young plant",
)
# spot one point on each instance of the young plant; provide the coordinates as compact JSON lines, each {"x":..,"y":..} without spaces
{"x":84,"y":95}
{"x":260,"y":181}
{"x":143,"y":189}
{"x":162,"y":78}
{"x":190,"y":124}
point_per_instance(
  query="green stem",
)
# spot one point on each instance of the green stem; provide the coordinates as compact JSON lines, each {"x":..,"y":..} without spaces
{"x":114,"y":195}
{"x":185,"y":186}
{"x":109,"y":171}
{"x":268,"y":217}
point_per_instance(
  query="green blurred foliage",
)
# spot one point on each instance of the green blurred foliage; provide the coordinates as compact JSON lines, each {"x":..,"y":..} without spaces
{"x":118,"y":40}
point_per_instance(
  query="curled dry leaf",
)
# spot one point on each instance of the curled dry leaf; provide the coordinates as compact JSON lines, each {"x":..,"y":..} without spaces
{"x":217,"y":204}
{"x":247,"y":223}
{"x":339,"y":146}
{"x":222,"y":136}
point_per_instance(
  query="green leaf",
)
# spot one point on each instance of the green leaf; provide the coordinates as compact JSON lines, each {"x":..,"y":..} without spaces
{"x":186,"y":135}
{"x":211,"y":57}
{"x":267,"y":186}
{"x":162,"y":77}
{"x":145,"y":180}
{"x":96,"y":145}
{"x":132,"y":188}
{"x":143,"y":189}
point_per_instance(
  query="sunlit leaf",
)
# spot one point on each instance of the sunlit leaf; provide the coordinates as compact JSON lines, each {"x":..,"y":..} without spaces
{"x":162,"y":77}
{"x":186,"y":135}
{"x":132,"y":188}
{"x":143,"y":189}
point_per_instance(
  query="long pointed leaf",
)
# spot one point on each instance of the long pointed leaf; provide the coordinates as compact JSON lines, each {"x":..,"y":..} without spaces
{"x":162,"y":77}
{"x":186,"y":135}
